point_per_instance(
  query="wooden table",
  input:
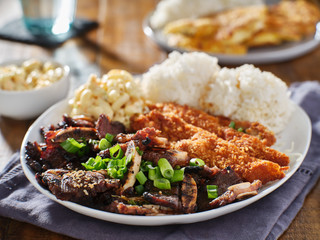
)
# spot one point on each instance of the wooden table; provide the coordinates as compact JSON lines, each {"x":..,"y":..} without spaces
{"x":119,"y":42}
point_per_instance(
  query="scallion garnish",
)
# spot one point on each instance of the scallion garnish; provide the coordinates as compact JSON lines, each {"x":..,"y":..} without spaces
{"x":145,"y":166}
{"x":240,"y":129}
{"x":196,"y":162}
{"x":165,"y":168}
{"x":140,"y":152}
{"x":71,"y":145}
{"x":154,"y":173}
{"x":95,"y":163}
{"x":139,"y":189}
{"x":109,"y":137}
{"x":116,"y":152}
{"x":141,"y":177}
{"x":212,"y":191}
{"x":232,"y":124}
{"x":104,"y":144}
{"x":178,"y":175}
{"x":162,"y":183}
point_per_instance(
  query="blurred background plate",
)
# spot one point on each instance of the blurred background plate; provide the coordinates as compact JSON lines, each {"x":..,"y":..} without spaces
{"x":259,"y":55}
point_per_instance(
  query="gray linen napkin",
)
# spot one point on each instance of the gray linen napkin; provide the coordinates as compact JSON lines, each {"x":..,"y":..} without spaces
{"x":267,"y":218}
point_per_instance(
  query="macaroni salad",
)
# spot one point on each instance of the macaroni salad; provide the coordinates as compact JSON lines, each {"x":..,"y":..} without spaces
{"x":116,"y":94}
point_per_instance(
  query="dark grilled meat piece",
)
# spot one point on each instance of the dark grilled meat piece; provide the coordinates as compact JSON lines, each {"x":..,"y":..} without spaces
{"x":78,"y":186}
{"x":128,"y":209}
{"x":171,"y":201}
{"x":33,"y":154}
{"x":76,"y":121}
{"x":67,"y":121}
{"x":189,"y":194}
{"x":105,"y":125}
{"x":223,"y":179}
{"x":175,"y":157}
{"x":203,"y":171}
{"x":77,"y":133}
{"x":146,"y":137}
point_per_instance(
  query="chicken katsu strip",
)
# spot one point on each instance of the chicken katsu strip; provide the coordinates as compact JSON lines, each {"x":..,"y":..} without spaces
{"x":208,"y":146}
{"x":218,"y":152}
{"x":172,"y":127}
{"x":249,"y":144}
{"x":217,"y":124}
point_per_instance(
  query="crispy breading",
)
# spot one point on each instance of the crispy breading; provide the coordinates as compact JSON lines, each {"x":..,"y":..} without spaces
{"x":218,"y":152}
{"x":250,"y":144}
{"x":173,"y":128}
{"x":217,"y":124}
{"x":208,"y":146}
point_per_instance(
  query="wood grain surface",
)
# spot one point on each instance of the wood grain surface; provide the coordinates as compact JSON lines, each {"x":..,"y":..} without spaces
{"x":119,"y":42}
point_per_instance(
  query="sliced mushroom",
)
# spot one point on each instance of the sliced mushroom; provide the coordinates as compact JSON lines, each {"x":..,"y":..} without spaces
{"x":132,"y":154}
{"x":237,"y":191}
{"x":189,"y":194}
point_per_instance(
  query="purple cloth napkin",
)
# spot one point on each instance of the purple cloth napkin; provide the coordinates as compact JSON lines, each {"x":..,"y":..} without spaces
{"x":267,"y":218}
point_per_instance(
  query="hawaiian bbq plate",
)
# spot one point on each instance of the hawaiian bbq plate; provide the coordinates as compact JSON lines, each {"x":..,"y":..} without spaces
{"x":297,"y":142}
{"x":258,"y":55}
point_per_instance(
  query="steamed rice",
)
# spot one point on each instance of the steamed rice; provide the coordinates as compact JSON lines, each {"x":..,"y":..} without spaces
{"x":244,"y":93}
{"x":171,"y":10}
{"x":247,"y":93}
{"x":182,"y":78}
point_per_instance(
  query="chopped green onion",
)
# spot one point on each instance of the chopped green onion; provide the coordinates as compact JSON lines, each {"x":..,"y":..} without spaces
{"x":162,"y":183}
{"x":141,"y":177}
{"x":113,"y":163}
{"x":178,"y":175}
{"x":95,"y":163}
{"x":104,"y":144}
{"x":145,"y":166}
{"x":121,"y":171}
{"x":232,"y":124}
{"x":154,"y":173}
{"x":240,"y":129}
{"x":112,"y":172}
{"x":116,"y":152}
{"x":139,"y":189}
{"x":212,"y":191}
{"x":196,"y":162}
{"x":165,"y":168}
{"x":109,"y":137}
{"x":132,"y":202}
{"x":71,"y":145}
{"x":140,"y":152}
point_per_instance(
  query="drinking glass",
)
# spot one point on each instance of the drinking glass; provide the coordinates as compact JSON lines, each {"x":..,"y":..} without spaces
{"x":48,"y":18}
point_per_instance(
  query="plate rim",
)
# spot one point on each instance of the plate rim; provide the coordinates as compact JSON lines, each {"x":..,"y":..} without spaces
{"x":277,"y":54}
{"x":154,"y":220}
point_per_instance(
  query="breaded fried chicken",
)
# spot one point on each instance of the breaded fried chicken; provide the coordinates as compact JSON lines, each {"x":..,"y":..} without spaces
{"x":216,"y":124}
{"x":218,"y":152}
{"x":247,"y":143}
{"x":208,"y":146}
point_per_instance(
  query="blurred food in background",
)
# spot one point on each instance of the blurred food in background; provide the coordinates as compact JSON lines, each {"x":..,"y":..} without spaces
{"x":171,"y":10}
{"x":235,"y":30}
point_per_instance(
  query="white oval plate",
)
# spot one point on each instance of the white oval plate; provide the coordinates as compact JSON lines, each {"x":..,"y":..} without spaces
{"x":259,"y":55}
{"x":297,"y":132}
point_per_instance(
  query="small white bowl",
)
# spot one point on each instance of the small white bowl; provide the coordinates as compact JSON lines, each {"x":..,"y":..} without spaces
{"x":22,"y":105}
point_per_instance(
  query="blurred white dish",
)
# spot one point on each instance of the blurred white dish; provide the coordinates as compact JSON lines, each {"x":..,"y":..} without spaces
{"x":29,"y":104}
{"x":259,"y":55}
{"x":297,"y":132}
